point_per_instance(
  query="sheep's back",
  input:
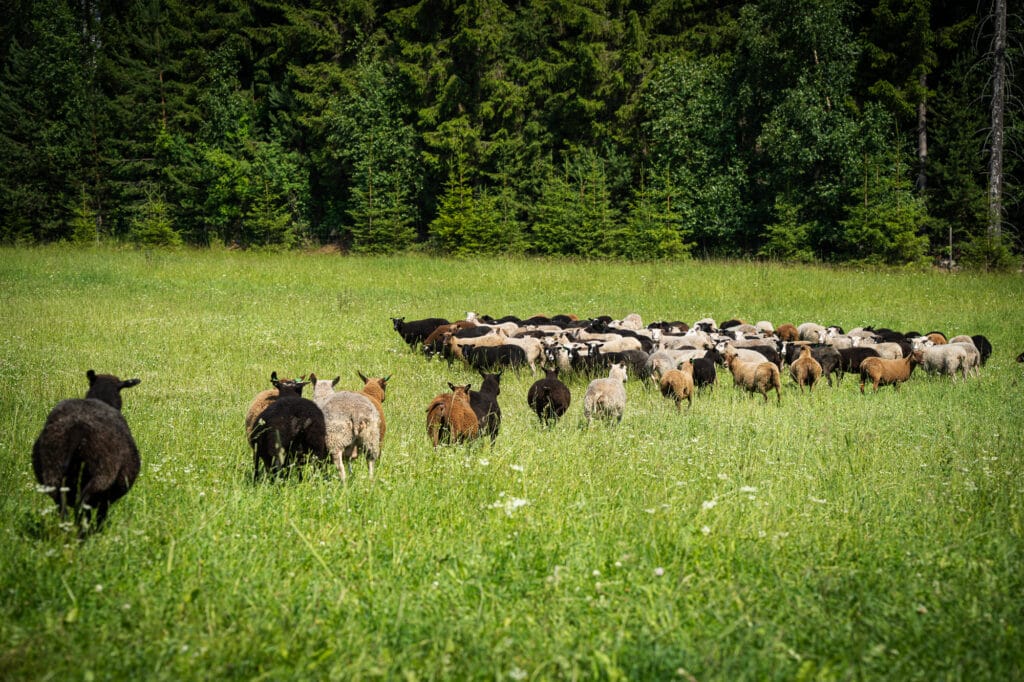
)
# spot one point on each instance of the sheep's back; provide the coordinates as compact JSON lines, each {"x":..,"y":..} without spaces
{"x":93,"y":432}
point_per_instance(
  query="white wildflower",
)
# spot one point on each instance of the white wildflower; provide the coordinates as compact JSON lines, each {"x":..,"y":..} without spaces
{"x":748,"y":489}
{"x":515,"y":467}
{"x":659,"y":571}
{"x":709,"y":504}
{"x":706,"y":530}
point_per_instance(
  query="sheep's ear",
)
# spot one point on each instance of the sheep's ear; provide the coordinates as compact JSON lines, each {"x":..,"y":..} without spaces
{"x":386,"y":379}
{"x":91,"y":376}
{"x":312,"y":378}
{"x":128,"y":383}
{"x":273,"y":377}
{"x":334,"y":381}
{"x":451,"y":386}
{"x":362,"y":376}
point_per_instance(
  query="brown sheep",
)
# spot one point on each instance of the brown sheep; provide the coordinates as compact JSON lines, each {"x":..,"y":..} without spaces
{"x":756,"y":377}
{"x":678,"y":385}
{"x":805,"y":369}
{"x":374,"y":389}
{"x":787,"y":332}
{"x":450,"y":418}
{"x":883,"y":372}
{"x":938,"y":338}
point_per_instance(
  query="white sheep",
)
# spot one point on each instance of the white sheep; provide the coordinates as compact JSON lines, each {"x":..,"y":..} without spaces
{"x":811,"y":331}
{"x":606,"y":398}
{"x":352,"y":422}
{"x":945,"y":359}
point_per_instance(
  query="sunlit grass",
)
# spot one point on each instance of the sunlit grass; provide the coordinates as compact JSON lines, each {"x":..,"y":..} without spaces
{"x":836,"y":536}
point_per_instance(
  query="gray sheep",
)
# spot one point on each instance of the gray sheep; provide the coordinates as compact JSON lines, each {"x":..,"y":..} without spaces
{"x":352,"y":422}
{"x":85,"y":457}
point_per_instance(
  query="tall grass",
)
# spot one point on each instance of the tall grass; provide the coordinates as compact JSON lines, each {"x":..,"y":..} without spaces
{"x":838,"y":536}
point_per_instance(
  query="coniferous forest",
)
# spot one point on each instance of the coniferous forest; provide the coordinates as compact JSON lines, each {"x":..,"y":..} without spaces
{"x":885,"y":131}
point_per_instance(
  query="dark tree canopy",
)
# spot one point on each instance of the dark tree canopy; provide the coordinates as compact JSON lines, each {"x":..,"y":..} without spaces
{"x":832,"y":130}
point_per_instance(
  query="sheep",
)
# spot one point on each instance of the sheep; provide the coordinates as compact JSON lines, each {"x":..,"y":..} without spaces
{"x":415,"y":332}
{"x":889,"y":350}
{"x":532,"y":348}
{"x":1020,"y":358}
{"x":972,"y":358}
{"x":450,"y":418}
{"x":455,"y":346}
{"x":85,"y":457}
{"x":352,"y":422}
{"x":938,"y":338}
{"x":885,"y":372}
{"x":946,"y":359}
{"x":983,"y":345}
{"x":805,"y":370}
{"x":810,"y":331}
{"x":850,"y":359}
{"x":661,"y":361}
{"x":485,"y":405}
{"x":756,"y":377}
{"x":287,"y":430}
{"x":492,"y":357}
{"x":765,"y":328}
{"x":375,"y":389}
{"x":827,"y":356}
{"x":260,"y":402}
{"x":678,"y":385}
{"x":549,"y":397}
{"x":787,"y":332}
{"x":606,"y":398}
{"x":704,"y":372}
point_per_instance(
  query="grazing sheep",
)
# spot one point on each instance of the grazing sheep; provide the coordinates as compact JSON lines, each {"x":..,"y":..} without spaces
{"x":756,"y":377}
{"x":787,"y":332}
{"x":705,"y":372}
{"x":287,"y":430}
{"x":850,"y":359}
{"x":415,"y":332}
{"x":450,"y":418}
{"x":678,"y":385}
{"x":549,"y":397}
{"x":885,"y":372}
{"x":485,"y":405}
{"x":984,"y":347}
{"x":947,"y":359}
{"x":805,"y":370}
{"x":260,"y":402}
{"x":938,"y":338}
{"x":813,"y":332}
{"x":352,"y":422}
{"x":606,"y":398}
{"x":85,"y":457}
{"x":1020,"y":358}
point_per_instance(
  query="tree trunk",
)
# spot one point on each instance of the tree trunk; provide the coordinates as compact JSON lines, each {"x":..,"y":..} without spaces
{"x":995,"y":165}
{"x":922,"y":136}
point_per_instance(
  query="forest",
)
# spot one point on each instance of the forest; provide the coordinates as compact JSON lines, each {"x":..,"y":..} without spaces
{"x":881,"y":132}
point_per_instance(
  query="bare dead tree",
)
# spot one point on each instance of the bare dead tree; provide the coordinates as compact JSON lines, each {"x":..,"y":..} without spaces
{"x":999,"y":84}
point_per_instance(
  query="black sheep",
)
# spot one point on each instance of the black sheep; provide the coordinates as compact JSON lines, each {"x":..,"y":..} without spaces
{"x":704,"y":372}
{"x":415,"y":332}
{"x":549,"y":397}
{"x":85,"y":457}
{"x":850,"y":359}
{"x":984,"y":347}
{"x":485,"y":405}
{"x":494,"y":357}
{"x":826,"y":355}
{"x":287,"y":430}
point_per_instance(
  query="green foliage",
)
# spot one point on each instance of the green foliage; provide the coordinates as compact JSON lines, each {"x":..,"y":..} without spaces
{"x":84,"y":228}
{"x":788,"y":238}
{"x":574,"y":215}
{"x":653,"y":226}
{"x":153,"y":224}
{"x":989,"y":253}
{"x":474,"y":222}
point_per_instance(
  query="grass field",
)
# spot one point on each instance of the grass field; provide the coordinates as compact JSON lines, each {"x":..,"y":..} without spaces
{"x":837,"y":536}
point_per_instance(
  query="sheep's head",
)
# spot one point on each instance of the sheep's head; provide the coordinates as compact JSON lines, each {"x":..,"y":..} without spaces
{"x":398,"y":323}
{"x":107,"y":388}
{"x":289,"y":386}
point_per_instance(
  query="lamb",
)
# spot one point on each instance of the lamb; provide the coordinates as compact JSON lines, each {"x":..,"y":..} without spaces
{"x":678,"y":385}
{"x":85,"y":457}
{"x":287,"y":430}
{"x":606,"y":398}
{"x":805,"y":370}
{"x":549,"y":397}
{"x":485,"y":405}
{"x":450,"y":418}
{"x":756,"y":377}
{"x":885,"y":372}
{"x":352,"y":422}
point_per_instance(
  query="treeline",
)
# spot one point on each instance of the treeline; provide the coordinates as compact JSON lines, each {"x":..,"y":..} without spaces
{"x":788,"y":129}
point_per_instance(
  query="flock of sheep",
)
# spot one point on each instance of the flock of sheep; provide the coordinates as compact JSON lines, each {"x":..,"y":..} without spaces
{"x":86,"y":459}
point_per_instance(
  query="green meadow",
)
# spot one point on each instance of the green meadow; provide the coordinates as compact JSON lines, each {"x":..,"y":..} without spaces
{"x":837,"y":536}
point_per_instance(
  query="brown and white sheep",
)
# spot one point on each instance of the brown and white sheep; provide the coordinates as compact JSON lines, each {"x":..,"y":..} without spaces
{"x":885,"y":372}
{"x":756,"y":377}
{"x":450,"y":417}
{"x":805,"y":370}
